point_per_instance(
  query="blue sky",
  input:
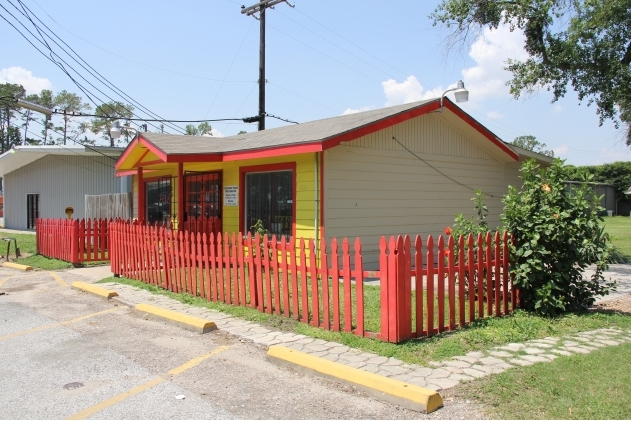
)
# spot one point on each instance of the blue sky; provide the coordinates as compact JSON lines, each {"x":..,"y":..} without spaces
{"x":192,"y":60}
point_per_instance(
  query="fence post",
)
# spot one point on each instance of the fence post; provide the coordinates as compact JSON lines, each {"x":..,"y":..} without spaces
{"x":75,"y":242}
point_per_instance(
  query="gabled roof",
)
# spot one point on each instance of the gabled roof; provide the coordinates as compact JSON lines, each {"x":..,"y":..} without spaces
{"x":312,"y":136}
{"x":20,"y":156}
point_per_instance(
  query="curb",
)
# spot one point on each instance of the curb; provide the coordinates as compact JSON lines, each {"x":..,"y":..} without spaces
{"x":397,"y":392}
{"x":93,"y":289}
{"x":17,"y":266}
{"x":185,"y":321}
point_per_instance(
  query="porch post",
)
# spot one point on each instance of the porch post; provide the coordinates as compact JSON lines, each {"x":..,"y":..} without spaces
{"x":141,"y":196}
{"x":180,"y":195}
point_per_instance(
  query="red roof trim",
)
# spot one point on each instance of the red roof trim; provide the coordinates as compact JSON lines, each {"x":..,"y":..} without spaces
{"x":279,"y":151}
{"x":326,"y":144}
{"x":480,"y":128}
{"x":380,"y":125}
{"x":194,"y":157}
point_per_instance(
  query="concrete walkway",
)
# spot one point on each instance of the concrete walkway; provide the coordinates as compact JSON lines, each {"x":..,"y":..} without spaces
{"x":438,"y":375}
{"x":621,"y":273}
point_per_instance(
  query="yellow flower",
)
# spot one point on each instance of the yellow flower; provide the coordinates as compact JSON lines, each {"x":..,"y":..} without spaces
{"x":556,"y":215}
{"x":546,"y":188}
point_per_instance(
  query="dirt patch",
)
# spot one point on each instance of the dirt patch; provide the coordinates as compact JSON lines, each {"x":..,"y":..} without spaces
{"x":617,"y":305}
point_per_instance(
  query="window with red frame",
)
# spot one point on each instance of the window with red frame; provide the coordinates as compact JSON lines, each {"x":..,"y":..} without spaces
{"x":269,"y":198}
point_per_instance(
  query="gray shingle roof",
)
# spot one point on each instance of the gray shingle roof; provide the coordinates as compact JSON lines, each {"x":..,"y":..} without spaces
{"x":312,"y":131}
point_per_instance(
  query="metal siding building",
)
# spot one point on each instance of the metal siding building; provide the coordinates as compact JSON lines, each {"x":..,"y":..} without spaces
{"x":61,"y":176}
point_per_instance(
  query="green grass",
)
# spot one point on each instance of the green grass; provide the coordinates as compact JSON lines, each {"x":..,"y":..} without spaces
{"x":593,"y":386}
{"x":619,"y":229}
{"x":26,"y":243}
{"x":45,"y":263}
{"x":480,"y":335}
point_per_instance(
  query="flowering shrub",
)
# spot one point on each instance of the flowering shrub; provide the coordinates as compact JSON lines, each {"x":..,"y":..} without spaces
{"x":557,"y":235}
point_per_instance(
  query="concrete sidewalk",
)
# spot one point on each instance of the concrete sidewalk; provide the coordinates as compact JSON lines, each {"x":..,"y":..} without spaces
{"x":621,"y":273}
{"x":94,"y":273}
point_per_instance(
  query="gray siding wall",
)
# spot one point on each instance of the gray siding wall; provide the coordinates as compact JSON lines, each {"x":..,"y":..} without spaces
{"x":60,"y":181}
{"x":374,"y":187}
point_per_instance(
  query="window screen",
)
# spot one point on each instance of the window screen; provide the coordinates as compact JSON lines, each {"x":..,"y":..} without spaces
{"x":269,"y":197}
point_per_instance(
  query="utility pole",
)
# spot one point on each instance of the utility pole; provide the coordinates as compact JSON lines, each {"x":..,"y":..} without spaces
{"x":251,"y":11}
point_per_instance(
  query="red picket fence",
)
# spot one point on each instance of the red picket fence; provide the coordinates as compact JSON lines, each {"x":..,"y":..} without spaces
{"x":73,"y":240}
{"x":422,"y":291}
{"x":429,"y":289}
{"x":202,"y":225}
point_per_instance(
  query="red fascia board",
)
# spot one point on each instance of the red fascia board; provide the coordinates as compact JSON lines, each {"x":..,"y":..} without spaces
{"x":133,"y":172}
{"x":125,"y":153}
{"x":271,"y":152}
{"x":153,"y":148}
{"x":480,"y":128}
{"x":194,"y":157}
{"x":380,"y":125}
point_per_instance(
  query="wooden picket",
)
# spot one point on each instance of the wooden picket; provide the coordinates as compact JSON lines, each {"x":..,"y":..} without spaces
{"x":276,"y":277}
{"x":73,"y":240}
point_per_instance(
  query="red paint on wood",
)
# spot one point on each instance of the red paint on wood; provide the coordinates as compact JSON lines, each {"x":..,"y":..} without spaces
{"x":418,"y":265}
{"x":359,"y":288}
{"x":461,"y":276}
{"x":430,"y":286}
{"x":335,"y":284}
{"x":451,"y":283}
{"x":346,"y":275}
{"x":441,"y":284}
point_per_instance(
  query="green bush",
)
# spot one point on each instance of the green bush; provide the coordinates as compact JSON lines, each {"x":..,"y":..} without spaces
{"x":557,"y":235}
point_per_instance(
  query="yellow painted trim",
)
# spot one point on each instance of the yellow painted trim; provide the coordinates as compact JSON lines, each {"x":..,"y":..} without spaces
{"x":58,"y":279}
{"x":136,"y":390}
{"x":404,"y":394}
{"x":185,"y":321}
{"x":94,"y":289}
{"x":37,"y":329}
{"x":17,"y":266}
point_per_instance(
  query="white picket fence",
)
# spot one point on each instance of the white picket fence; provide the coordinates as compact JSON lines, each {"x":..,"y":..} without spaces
{"x":108,"y":206}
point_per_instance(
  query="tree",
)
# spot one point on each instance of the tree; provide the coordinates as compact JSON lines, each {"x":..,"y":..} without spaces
{"x":558,"y":234}
{"x":46,"y":99}
{"x":109,"y":112}
{"x":582,"y":43}
{"x":201,"y":130}
{"x":70,"y":104}
{"x":9,"y":135}
{"x":531,"y":143}
{"x":242,"y":132}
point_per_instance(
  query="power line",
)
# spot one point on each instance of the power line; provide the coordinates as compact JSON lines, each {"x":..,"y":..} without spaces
{"x":280,"y":118}
{"x":138,"y":62}
{"x":439,"y":171}
{"x":100,"y":78}
{"x":229,"y":68}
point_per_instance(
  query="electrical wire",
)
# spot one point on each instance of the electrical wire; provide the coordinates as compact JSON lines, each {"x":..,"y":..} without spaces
{"x":230,"y":68}
{"x":280,"y":118}
{"x":100,"y":78}
{"x":134,"y":61}
{"x":439,"y":171}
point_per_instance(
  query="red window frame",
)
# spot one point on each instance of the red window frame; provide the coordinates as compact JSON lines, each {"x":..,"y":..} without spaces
{"x":266,"y":168}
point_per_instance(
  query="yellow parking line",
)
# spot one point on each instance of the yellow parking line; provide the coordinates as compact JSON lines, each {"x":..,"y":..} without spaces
{"x":136,"y":390}
{"x":58,"y":279}
{"x":2,"y":281}
{"x":37,"y":329}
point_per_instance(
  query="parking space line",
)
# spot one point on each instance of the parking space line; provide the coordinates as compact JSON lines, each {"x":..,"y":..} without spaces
{"x":2,"y":281}
{"x":58,"y":279}
{"x":136,"y":390}
{"x":37,"y":329}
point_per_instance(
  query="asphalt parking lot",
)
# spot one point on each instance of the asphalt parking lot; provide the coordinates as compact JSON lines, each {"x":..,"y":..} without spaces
{"x":65,"y":354}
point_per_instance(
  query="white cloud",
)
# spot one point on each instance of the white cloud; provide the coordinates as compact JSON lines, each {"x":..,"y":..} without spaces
{"x":410,"y":90}
{"x":487,"y":79}
{"x":558,"y":109}
{"x":215,"y":133}
{"x":561,"y":150}
{"x":20,"y":76}
{"x":494,"y":115}
{"x":359,"y":110}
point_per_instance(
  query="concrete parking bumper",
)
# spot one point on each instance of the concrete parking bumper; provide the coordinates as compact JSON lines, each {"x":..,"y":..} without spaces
{"x":184,"y":321}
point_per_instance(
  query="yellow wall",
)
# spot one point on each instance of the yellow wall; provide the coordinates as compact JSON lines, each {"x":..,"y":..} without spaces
{"x":305,"y":188}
